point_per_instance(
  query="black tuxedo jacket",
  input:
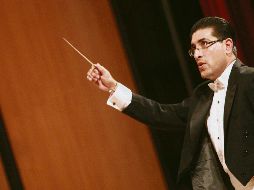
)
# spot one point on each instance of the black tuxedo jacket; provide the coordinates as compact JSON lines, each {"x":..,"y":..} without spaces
{"x":192,"y":114}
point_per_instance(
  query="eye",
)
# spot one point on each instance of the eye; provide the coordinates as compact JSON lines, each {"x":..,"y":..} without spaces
{"x":204,"y":44}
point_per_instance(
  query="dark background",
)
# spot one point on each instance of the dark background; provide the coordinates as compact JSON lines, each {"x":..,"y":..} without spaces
{"x":155,"y":47}
{"x":155,"y":34}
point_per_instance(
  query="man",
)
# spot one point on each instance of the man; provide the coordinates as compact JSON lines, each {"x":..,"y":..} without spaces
{"x":219,"y":116}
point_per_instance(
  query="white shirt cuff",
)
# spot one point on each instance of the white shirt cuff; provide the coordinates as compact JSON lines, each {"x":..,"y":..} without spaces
{"x":121,"y":98}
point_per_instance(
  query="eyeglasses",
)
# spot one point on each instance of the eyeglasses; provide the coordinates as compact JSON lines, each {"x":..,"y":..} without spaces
{"x":202,"y":45}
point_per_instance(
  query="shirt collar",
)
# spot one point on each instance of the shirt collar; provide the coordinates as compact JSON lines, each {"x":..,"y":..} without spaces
{"x":225,"y":75}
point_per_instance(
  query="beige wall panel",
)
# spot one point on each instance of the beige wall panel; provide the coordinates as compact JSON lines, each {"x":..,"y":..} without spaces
{"x":62,"y":133}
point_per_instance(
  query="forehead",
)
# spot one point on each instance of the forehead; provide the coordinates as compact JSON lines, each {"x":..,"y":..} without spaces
{"x":205,"y":33}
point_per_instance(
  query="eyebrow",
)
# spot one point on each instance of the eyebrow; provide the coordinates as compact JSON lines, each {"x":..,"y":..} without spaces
{"x":202,"y":39}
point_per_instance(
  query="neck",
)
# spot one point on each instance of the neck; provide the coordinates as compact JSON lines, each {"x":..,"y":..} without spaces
{"x":231,"y":59}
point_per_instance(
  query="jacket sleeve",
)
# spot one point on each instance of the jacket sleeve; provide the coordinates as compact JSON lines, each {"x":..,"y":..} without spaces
{"x":162,"y":116}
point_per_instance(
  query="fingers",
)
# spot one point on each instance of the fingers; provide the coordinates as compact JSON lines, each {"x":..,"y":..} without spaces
{"x":101,"y":77}
{"x":93,"y":74}
{"x":96,"y":71}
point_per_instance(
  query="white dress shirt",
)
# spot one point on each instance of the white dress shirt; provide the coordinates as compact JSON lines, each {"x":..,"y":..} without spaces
{"x":121,"y":98}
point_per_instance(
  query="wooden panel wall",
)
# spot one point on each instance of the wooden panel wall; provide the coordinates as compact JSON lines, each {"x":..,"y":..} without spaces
{"x":62,"y":133}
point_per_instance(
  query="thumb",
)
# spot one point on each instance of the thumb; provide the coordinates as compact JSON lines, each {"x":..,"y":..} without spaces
{"x":101,"y":69}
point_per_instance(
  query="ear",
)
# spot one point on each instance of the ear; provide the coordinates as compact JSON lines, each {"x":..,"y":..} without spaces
{"x":229,"y":46}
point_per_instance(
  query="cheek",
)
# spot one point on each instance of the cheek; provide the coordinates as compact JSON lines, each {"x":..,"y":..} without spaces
{"x":212,"y":67}
{"x":214,"y":59}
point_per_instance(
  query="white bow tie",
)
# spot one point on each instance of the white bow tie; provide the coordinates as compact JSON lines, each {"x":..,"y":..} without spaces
{"x":216,"y":85}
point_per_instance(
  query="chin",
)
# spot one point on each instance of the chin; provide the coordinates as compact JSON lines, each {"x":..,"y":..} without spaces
{"x":207,"y":76}
{"x":204,"y":76}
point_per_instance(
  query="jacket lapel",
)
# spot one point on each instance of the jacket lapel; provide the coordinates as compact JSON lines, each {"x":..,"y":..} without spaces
{"x":199,"y":116}
{"x":232,"y":86}
{"x":195,"y":127}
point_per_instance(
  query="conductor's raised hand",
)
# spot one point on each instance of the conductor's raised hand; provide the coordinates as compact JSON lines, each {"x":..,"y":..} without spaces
{"x":101,"y":77}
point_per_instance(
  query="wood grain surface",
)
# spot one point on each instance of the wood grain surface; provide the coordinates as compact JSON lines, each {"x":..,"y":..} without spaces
{"x":63,"y":134}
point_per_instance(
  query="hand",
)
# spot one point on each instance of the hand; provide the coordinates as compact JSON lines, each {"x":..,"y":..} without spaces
{"x":101,"y":77}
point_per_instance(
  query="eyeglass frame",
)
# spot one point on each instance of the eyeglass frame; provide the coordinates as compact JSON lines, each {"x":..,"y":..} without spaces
{"x":192,"y":51}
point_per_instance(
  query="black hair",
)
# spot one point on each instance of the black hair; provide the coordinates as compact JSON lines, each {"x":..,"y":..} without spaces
{"x":222,"y":29}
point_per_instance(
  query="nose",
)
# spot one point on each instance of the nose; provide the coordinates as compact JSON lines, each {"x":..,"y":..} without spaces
{"x":197,"y":53}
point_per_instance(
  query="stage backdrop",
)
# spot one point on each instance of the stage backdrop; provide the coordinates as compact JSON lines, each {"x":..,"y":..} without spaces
{"x":62,"y":134}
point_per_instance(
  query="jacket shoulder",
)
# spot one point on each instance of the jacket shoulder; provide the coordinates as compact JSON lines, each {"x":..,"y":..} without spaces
{"x":201,"y":88}
{"x":244,"y":69}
